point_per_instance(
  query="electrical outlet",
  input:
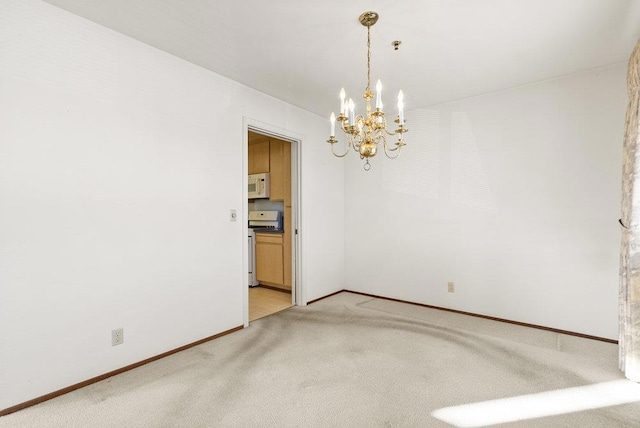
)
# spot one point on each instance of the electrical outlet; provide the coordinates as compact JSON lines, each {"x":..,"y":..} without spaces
{"x":117,"y":336}
{"x":451,"y":288}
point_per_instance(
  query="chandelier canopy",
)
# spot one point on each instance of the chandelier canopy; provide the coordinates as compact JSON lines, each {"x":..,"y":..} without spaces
{"x":365,"y":132}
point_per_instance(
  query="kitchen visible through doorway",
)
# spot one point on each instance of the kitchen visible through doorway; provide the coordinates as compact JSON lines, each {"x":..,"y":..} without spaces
{"x":271,"y":220}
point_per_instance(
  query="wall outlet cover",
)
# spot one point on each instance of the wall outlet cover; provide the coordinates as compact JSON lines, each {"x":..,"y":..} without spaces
{"x":117,"y":336}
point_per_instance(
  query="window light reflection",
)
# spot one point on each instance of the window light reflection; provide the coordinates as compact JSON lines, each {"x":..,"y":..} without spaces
{"x":541,"y":404}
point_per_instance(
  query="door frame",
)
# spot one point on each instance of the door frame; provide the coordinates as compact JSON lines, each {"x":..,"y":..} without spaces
{"x":298,"y":294}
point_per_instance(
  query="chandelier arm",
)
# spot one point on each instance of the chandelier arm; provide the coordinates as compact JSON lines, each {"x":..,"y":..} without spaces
{"x":342,"y":155}
{"x":400,"y":131}
{"x":384,"y":127}
{"x":395,"y":149}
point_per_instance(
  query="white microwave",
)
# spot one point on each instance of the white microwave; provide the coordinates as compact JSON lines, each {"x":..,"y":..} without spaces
{"x":258,"y":185}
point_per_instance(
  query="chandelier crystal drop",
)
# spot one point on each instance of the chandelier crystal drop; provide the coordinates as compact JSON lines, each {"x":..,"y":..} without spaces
{"x":366,"y":132}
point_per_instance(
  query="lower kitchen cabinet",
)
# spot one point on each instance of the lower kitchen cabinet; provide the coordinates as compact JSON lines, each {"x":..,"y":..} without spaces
{"x":270,"y":260}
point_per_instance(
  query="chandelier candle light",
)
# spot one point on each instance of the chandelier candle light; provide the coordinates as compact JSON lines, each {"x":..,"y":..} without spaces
{"x":364,"y":133}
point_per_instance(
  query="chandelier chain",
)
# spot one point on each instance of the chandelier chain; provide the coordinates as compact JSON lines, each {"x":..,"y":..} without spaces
{"x":368,"y":58}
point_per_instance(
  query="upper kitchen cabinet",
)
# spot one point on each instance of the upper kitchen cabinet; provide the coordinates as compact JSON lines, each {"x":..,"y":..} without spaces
{"x":268,"y":154}
{"x":280,"y":169}
{"x":258,"y":156}
{"x":287,"y":175}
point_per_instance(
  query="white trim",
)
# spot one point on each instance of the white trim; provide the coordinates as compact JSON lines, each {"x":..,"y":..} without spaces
{"x":299,"y":291}
{"x":244,"y":215}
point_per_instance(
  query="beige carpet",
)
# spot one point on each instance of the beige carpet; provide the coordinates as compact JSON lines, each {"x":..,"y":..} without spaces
{"x":353,"y":361}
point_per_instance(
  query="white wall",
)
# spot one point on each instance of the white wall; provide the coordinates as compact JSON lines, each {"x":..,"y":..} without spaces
{"x":513,"y":195}
{"x":118,"y":167}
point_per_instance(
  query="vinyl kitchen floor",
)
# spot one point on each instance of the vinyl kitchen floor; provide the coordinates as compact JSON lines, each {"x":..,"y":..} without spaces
{"x":265,"y":301}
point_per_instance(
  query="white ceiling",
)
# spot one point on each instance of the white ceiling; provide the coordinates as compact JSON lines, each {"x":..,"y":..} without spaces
{"x":303,"y":51}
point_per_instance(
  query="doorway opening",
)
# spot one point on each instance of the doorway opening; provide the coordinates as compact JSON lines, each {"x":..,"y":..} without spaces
{"x":271,"y":216}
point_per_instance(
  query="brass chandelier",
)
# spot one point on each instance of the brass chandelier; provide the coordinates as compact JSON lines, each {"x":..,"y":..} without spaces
{"x":366,"y":132}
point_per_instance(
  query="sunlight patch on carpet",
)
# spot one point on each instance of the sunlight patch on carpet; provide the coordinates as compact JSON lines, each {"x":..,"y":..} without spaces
{"x":541,"y":404}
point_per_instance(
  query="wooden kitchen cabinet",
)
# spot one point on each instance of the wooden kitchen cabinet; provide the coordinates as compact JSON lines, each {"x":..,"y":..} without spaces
{"x":287,"y":175}
{"x":278,"y":170}
{"x":272,"y":156}
{"x":270,"y":260}
{"x":259,"y":157}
